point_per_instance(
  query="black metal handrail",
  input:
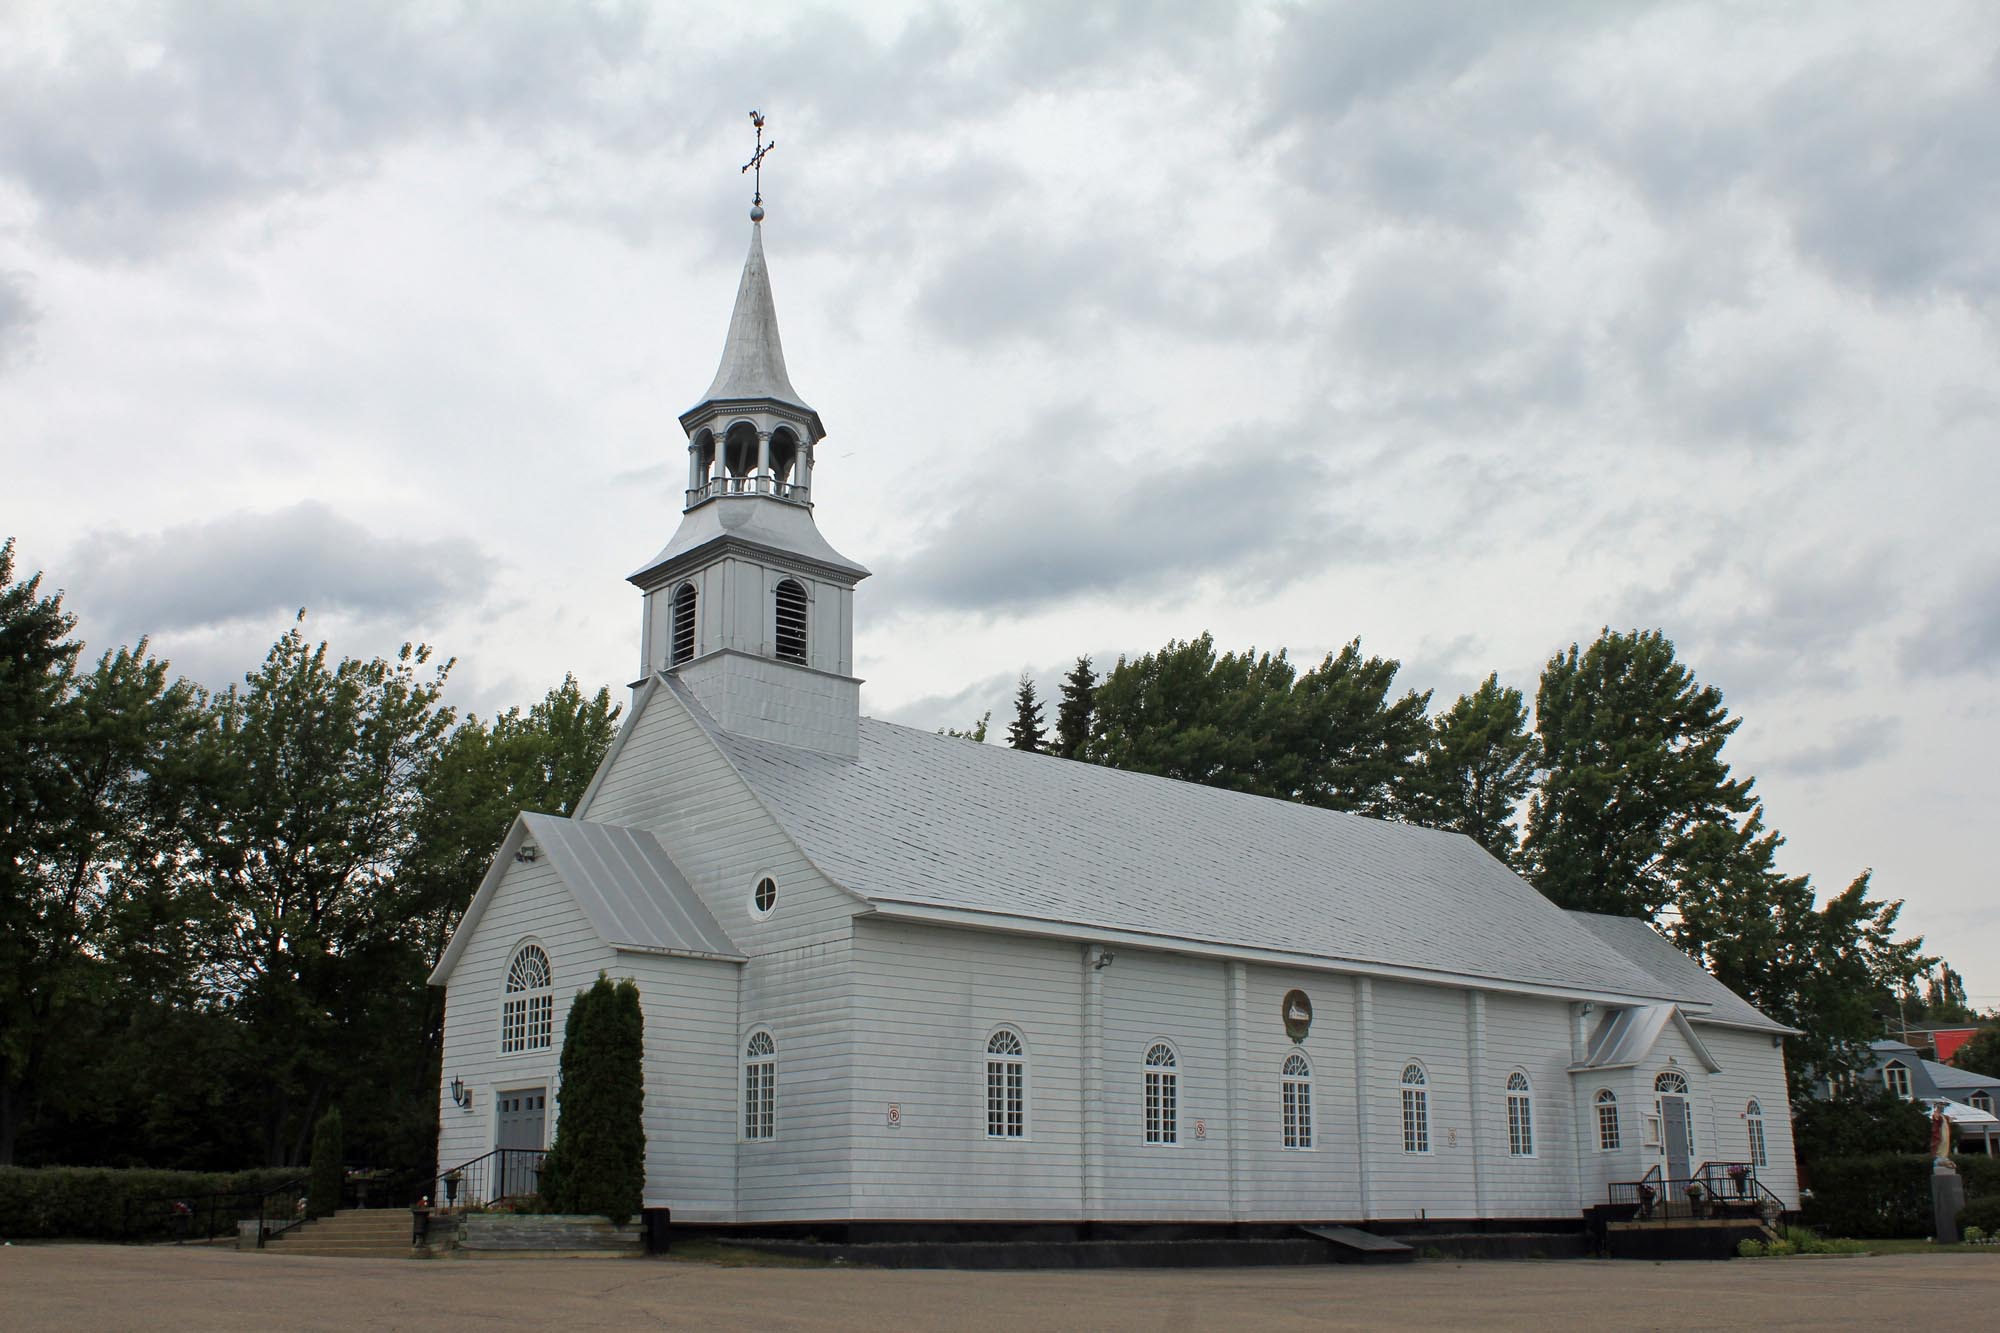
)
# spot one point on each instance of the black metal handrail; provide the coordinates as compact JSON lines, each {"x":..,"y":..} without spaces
{"x":185,"y":1217}
{"x":1712,"y":1190}
{"x":496,"y":1177}
{"x":281,"y":1209}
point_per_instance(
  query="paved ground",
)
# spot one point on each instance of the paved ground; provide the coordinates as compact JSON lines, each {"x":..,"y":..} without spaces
{"x":75,"y":1287}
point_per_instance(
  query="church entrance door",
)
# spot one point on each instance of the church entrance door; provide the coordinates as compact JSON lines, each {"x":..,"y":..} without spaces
{"x":1674,"y":1129}
{"x":523,"y":1117}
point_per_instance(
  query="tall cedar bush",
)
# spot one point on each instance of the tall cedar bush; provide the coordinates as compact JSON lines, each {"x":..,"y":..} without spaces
{"x":598,"y":1161}
{"x":327,"y":1175}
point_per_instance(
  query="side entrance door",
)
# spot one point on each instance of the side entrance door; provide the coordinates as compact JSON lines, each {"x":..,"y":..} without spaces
{"x":1674,"y":1133}
{"x":523,"y":1116}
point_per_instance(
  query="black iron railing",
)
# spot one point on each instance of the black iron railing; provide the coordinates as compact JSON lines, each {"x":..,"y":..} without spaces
{"x":185,"y":1217}
{"x":1712,"y":1190}
{"x":280,"y":1210}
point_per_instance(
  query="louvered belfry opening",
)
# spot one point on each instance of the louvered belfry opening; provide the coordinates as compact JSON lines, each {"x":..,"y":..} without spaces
{"x":684,"y":599}
{"x":791,"y":621}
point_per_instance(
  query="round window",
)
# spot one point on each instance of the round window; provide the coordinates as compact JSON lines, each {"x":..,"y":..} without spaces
{"x":767,"y":895}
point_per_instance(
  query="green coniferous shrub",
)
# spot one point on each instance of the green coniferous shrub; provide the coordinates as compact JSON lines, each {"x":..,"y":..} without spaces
{"x":598,"y":1161}
{"x":326,"y":1174}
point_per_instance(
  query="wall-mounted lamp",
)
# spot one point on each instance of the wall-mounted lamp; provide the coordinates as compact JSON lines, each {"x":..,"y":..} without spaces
{"x":1102,"y":959}
{"x":1588,"y":1009}
{"x":528,"y":852}
{"x":461,"y":1096}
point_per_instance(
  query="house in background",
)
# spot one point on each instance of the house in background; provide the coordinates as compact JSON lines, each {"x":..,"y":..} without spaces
{"x":1968,"y":1099}
{"x":896,"y":979}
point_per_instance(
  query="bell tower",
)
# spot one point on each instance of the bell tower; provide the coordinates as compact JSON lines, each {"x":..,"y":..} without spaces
{"x":747,"y":605}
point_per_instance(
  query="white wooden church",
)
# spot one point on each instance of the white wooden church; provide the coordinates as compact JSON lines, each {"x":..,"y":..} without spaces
{"x":892,"y":976}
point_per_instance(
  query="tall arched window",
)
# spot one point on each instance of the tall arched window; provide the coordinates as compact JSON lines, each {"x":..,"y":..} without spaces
{"x":1162,"y":1095}
{"x":1608,"y":1138}
{"x":684,"y":607}
{"x":1006,"y":1086}
{"x":1416,"y":1110}
{"x":1520,"y":1116}
{"x":760,"y":1086}
{"x":1297,"y":1091}
{"x":527,"y":1016}
{"x":1896,"y":1077}
{"x":1753,"y":1119}
{"x":791,"y":612}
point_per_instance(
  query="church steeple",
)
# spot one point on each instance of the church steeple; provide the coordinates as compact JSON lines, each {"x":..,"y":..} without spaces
{"x":748,"y":605}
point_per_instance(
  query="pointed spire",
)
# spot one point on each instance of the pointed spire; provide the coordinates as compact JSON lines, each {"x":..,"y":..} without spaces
{"x":753,"y":360}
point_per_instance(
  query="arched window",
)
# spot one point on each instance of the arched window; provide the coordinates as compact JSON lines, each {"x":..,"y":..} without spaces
{"x":739,"y":456}
{"x":1753,"y":1118}
{"x":1520,"y":1116}
{"x":1297,"y":1090}
{"x":1416,"y":1110}
{"x":791,"y":599}
{"x":760,"y":1086}
{"x":1162,"y":1095}
{"x":784,"y":454}
{"x":1671,"y":1082}
{"x":1982,"y":1099}
{"x":1896,"y":1077}
{"x":1006,"y":1086}
{"x":1608,"y":1138}
{"x":684,"y":606}
{"x":527,"y":1017}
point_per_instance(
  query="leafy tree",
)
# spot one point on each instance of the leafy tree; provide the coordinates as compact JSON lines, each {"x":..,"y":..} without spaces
{"x":1633,"y":748}
{"x":1362,"y":748}
{"x":1478,"y":766}
{"x":598,"y":1161}
{"x":1981,"y":1055}
{"x":87,"y":815}
{"x":312,"y":772}
{"x":1026,"y":731}
{"x":1944,"y":998}
{"x":1183,"y":712}
{"x":329,"y":1172}
{"x":1074,"y":713}
{"x":1858,"y":1122}
{"x":976,"y":733}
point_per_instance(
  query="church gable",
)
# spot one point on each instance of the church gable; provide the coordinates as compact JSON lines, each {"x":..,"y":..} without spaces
{"x":667,"y":774}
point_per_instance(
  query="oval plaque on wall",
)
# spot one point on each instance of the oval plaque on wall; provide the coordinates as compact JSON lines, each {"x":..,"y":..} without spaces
{"x":1298,"y":1014}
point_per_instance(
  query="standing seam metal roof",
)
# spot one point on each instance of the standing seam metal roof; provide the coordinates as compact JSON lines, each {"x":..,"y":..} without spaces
{"x":629,"y":887}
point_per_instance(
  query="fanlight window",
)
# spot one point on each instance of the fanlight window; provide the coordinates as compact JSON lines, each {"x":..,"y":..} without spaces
{"x":1607,"y":1121}
{"x":791,"y":600}
{"x":684,"y":607}
{"x":1753,"y":1117}
{"x":1296,"y":1089}
{"x":1416,"y":1110}
{"x":760,"y":1087}
{"x":1162,"y":1095}
{"x":1897,"y":1078}
{"x":1006,"y":1086}
{"x":527,"y":1016}
{"x":1520,"y":1116}
{"x":1671,"y":1082}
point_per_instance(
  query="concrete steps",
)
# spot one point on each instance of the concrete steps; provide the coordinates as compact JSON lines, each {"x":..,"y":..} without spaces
{"x":352,"y":1233}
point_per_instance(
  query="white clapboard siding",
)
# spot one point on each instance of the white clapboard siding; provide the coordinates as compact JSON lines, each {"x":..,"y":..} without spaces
{"x":1752,"y":1069}
{"x":1277,"y":1183}
{"x":1529,"y":1036}
{"x":1426,"y":1024}
{"x":1600,"y":1169}
{"x":689,"y":1008}
{"x":803,"y":997}
{"x":668,"y":777}
{"x":926,"y":1001}
{"x":530,"y":903}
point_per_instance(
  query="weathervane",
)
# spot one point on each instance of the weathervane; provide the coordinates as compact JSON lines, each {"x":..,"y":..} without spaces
{"x":756,"y":164}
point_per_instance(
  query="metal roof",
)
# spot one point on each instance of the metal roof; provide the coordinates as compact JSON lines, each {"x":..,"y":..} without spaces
{"x":1952,"y":1078}
{"x":629,"y":888}
{"x":753,"y":360}
{"x":1673,"y":973}
{"x":1626,"y":1037}
{"x":942,"y":823}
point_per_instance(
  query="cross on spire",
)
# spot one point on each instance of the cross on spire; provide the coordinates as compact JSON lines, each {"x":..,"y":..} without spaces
{"x":756,"y":164}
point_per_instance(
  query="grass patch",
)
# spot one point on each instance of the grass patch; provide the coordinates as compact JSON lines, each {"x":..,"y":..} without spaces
{"x":720,"y":1254}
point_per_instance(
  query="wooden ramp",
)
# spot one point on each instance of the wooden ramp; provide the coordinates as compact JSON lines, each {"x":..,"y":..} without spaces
{"x":1353,"y":1246}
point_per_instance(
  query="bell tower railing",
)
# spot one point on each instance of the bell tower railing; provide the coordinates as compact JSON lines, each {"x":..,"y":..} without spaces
{"x":774,"y":487}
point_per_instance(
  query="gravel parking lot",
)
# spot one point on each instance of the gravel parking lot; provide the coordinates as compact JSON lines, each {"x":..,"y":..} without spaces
{"x":112,"y":1287}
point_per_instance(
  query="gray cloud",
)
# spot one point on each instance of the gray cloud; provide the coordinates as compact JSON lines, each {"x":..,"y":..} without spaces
{"x":1961,"y":634}
{"x":18,"y":317}
{"x":1852,"y":744}
{"x":213,"y":573}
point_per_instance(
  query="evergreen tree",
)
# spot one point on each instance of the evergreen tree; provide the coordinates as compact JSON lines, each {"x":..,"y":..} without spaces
{"x":976,"y":733}
{"x":1026,"y":731}
{"x":1074,"y":713}
{"x":1478,"y":766}
{"x":1633,"y":749}
{"x":598,"y":1162}
{"x":328,"y":1173}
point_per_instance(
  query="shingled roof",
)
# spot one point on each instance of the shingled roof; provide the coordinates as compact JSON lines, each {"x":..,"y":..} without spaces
{"x":934,"y":822}
{"x":1691,"y":985}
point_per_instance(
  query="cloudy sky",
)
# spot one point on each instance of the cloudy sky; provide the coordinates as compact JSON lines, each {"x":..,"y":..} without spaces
{"x":1464,"y":328}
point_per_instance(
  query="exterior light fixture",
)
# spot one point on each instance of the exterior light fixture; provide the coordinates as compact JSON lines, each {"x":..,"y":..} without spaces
{"x":461,"y":1096}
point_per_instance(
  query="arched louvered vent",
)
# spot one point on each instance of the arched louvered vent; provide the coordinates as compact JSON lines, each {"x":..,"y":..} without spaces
{"x":684,"y":600}
{"x":791,"y":621}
